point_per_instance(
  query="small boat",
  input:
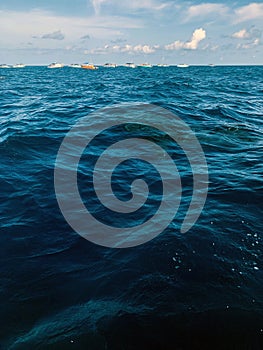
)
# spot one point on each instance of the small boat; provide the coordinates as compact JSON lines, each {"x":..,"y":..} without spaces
{"x":145,"y":65}
{"x":130,"y":65}
{"x":75,"y":65}
{"x":89,"y":66}
{"x":55,"y":65}
{"x":211,"y":65}
{"x":162,"y":65}
{"x":4,"y":66}
{"x":182,"y":65}
{"x":18,"y":65}
{"x":110,"y":65}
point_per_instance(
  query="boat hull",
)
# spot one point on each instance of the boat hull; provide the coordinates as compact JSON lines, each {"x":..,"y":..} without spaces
{"x":89,"y":66}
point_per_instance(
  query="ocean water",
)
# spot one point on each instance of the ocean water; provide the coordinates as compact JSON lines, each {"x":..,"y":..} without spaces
{"x":198,"y":290}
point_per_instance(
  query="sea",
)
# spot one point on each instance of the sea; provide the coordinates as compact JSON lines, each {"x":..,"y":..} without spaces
{"x":202,"y":289}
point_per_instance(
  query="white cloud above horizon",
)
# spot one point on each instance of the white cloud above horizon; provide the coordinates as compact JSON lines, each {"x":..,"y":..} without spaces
{"x":130,"y":49}
{"x":204,"y":10}
{"x":223,"y":11}
{"x":249,"y":12}
{"x":197,"y":36}
{"x":250,"y":45}
{"x":241,"y":34}
{"x":153,"y":5}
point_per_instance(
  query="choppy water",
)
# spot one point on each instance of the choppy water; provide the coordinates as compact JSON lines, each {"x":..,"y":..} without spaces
{"x":197,"y":290}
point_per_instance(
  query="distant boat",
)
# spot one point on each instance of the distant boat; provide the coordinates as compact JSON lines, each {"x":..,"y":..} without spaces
{"x":162,"y":65}
{"x":182,"y":65}
{"x":110,"y":65}
{"x":130,"y":65}
{"x":211,"y":65}
{"x":55,"y":65}
{"x":18,"y":65}
{"x":89,"y":66}
{"x":75,"y":65}
{"x":145,"y":65}
{"x":4,"y":66}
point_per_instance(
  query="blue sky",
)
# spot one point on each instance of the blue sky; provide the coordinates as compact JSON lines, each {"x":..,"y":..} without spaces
{"x":155,"y":31}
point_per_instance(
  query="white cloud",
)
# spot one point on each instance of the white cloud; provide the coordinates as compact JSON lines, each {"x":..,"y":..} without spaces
{"x":206,"y":9}
{"x":126,"y":48}
{"x":175,"y":45}
{"x":116,"y":48}
{"x":136,"y":49}
{"x":252,"y":35}
{"x":241,"y":34}
{"x":249,"y":12}
{"x":198,"y":35}
{"x":146,"y":4}
{"x":143,"y":49}
{"x":154,"y":5}
{"x":254,"y":43}
{"x":213,"y":11}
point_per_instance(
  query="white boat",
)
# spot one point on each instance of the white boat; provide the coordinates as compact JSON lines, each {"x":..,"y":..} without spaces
{"x":4,"y":66}
{"x":75,"y":65}
{"x":18,"y":65}
{"x":182,"y":65}
{"x":55,"y":65}
{"x":110,"y":65}
{"x":162,"y":65}
{"x":130,"y":65}
{"x":145,"y":65}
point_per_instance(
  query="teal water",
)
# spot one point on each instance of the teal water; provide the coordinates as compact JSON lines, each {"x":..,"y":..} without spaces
{"x":200,"y":290}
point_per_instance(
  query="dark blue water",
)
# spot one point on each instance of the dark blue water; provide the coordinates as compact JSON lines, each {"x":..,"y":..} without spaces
{"x":199,"y":290}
